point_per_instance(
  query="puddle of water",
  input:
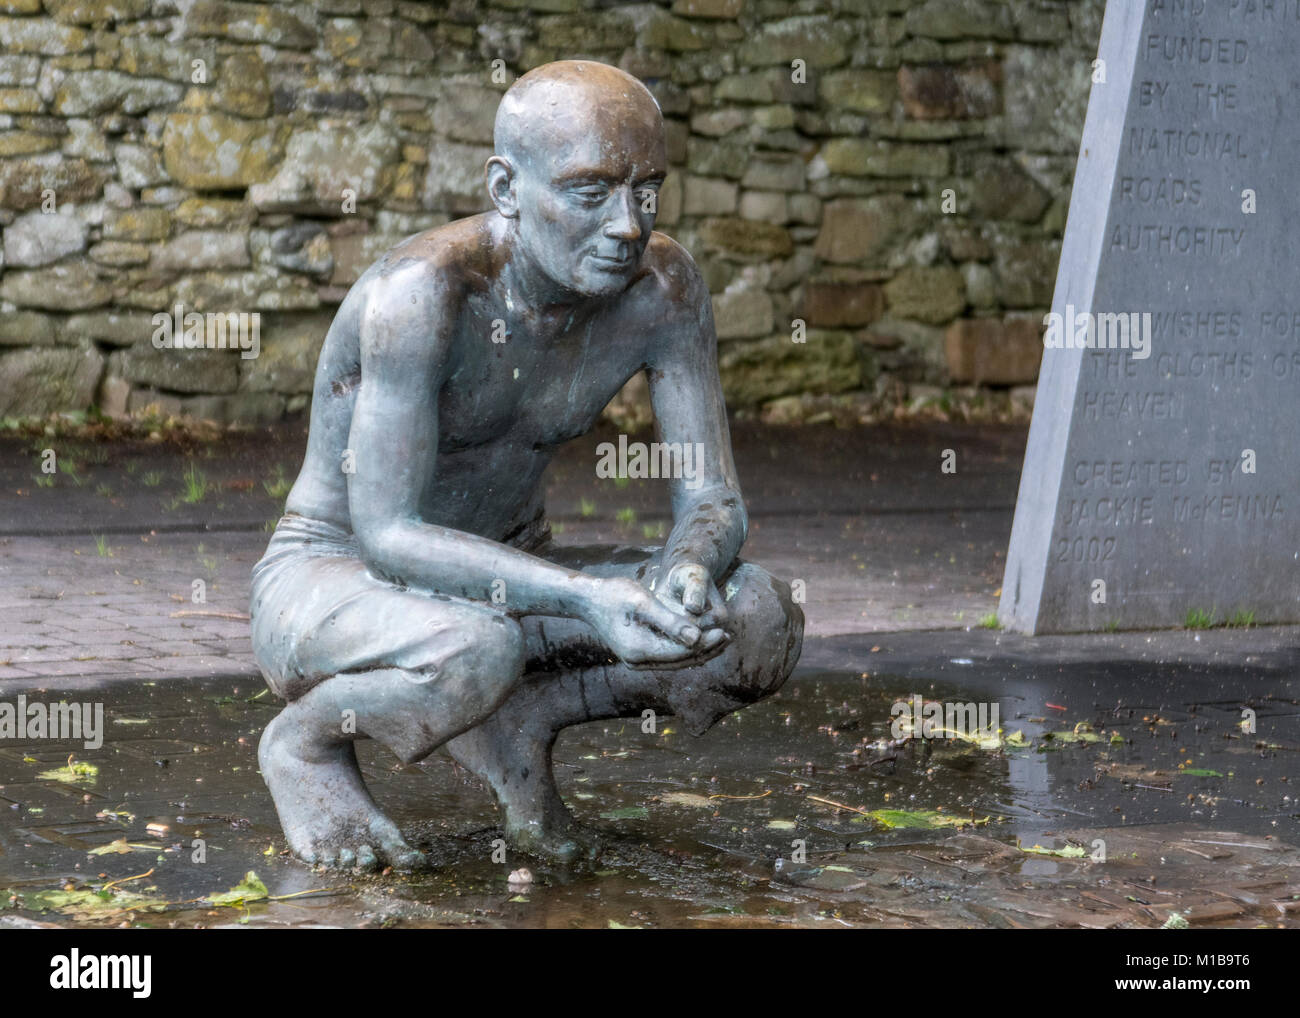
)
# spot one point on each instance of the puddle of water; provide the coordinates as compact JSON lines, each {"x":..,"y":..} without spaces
{"x":761,"y":822}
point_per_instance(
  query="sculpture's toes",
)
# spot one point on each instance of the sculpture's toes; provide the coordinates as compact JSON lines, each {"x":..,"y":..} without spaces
{"x":393,"y":847}
{"x":567,"y":843}
{"x":367,"y":861}
{"x":407,"y":859}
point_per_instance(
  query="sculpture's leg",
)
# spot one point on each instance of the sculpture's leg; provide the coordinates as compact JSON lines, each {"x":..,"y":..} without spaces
{"x":359,"y":658}
{"x":568,"y":682}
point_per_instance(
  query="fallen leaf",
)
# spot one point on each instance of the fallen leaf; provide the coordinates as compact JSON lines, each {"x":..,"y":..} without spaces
{"x":121,"y":847}
{"x":687,"y":799}
{"x":249,"y":889}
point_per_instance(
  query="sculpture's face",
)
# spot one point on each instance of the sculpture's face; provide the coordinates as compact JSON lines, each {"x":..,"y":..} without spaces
{"x":588,"y":191}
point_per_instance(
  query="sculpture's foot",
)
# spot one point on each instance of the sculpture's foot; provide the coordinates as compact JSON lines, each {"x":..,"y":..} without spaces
{"x":324,"y":806}
{"x":562,"y":841}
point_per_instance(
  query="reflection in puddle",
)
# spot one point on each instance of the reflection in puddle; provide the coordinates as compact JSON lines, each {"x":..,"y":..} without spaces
{"x":804,"y":810}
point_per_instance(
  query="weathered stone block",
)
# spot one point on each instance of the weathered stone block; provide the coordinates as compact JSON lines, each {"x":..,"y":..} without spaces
{"x":767,"y":206}
{"x":241,"y":86}
{"x":839,"y":305}
{"x":24,"y":143}
{"x":753,"y":373}
{"x":861,"y":157}
{"x":45,"y":380}
{"x":87,"y":12}
{"x":742,"y":312}
{"x":774,"y":173}
{"x":817,"y":40}
{"x":466,"y":112}
{"x":69,"y":286}
{"x":960,"y":19}
{"x":1026,"y":272}
{"x":947,"y":92}
{"x":219,"y":152}
{"x":931,"y":294}
{"x":1002,"y":190}
{"x":90,"y":93}
{"x":859,"y":91}
{"x":709,"y":8}
{"x":24,"y":181}
{"x":744,"y":237}
{"x":676,"y":35}
{"x":993,"y":351}
{"x":290,"y":346}
{"x":26,"y":328}
{"x":709,"y":196}
{"x":201,"y":249}
{"x":863,"y":229}
{"x":177,"y":370}
{"x":138,"y":166}
{"x":118,"y":328}
{"x":138,"y":224}
{"x":454,"y":180}
{"x":36,"y":238}
{"x":246,"y":22}
{"x":20,"y":100}
{"x":36,"y":35}
{"x":320,"y":166}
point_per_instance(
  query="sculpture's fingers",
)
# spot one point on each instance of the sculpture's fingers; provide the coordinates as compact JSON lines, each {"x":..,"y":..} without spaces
{"x":715,"y":612}
{"x":663,"y":621}
{"x":713,"y":638}
{"x":695,"y":595}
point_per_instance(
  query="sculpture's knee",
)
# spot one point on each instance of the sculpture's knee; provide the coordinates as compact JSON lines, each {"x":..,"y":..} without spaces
{"x":767,"y":637}
{"x":484,"y":665}
{"x":767,"y":629}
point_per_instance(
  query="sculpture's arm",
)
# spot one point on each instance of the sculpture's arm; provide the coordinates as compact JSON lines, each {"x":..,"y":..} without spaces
{"x":405,"y":354}
{"x":710,"y":522}
{"x":405,"y":346}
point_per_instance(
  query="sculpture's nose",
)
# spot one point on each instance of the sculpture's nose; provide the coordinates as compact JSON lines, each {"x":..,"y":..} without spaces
{"x":623,"y":223}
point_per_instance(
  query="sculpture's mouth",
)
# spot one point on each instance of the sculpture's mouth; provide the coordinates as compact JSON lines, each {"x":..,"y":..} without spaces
{"x":614,"y":264}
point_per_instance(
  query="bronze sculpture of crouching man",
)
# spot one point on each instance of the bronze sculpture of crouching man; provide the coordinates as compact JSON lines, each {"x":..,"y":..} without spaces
{"x":421,"y":493}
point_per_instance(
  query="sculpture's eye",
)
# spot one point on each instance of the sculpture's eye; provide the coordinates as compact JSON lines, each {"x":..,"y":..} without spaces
{"x":589,"y":195}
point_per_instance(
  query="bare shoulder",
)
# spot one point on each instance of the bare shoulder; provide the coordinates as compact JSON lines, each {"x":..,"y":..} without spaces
{"x":676,"y":277}
{"x":673,"y":299}
{"x":417,"y":286}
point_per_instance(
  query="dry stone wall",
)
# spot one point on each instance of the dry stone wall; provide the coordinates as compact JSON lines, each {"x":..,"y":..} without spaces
{"x":885,"y":180}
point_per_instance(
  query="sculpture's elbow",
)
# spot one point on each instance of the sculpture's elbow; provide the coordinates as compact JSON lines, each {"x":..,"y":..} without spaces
{"x":380,"y":546}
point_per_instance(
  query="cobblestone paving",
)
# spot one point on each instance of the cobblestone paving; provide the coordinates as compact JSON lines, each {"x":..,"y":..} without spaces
{"x":98,"y":585}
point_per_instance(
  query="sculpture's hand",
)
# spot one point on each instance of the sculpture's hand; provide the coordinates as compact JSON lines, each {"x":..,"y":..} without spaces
{"x":641,"y":629}
{"x":690,"y":585}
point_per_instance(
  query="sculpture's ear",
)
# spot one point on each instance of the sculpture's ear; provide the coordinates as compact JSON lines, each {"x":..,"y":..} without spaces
{"x":501,"y":186}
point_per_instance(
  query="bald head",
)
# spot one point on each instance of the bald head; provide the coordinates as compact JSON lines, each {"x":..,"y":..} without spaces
{"x":554,"y":105}
{"x":580,"y":156}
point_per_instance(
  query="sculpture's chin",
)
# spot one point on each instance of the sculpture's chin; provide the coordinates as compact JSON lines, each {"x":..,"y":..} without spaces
{"x":604,"y":281}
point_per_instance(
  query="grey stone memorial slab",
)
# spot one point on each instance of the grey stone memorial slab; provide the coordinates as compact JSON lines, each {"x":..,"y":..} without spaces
{"x":1162,"y":475}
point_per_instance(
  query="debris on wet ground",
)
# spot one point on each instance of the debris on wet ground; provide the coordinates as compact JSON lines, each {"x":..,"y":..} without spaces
{"x":777,"y":817}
